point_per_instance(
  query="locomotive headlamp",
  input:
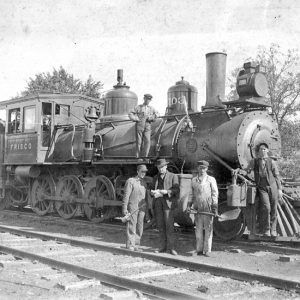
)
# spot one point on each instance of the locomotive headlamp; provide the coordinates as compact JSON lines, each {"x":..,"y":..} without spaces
{"x":251,"y":81}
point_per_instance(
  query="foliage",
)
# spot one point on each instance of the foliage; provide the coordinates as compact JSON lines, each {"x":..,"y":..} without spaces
{"x":290,"y":137}
{"x":290,"y":168}
{"x":284,"y":82}
{"x":60,"y":81}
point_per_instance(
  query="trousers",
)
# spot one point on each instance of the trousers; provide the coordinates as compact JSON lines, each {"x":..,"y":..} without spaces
{"x":165,"y":223}
{"x":143,"y":131}
{"x":203,"y":232}
{"x":134,"y":229}
{"x":268,"y":201}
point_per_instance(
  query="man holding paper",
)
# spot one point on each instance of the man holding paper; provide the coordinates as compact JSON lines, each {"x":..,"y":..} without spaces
{"x":165,"y":191}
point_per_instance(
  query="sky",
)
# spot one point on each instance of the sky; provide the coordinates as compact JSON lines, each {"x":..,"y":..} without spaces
{"x":155,"y":42}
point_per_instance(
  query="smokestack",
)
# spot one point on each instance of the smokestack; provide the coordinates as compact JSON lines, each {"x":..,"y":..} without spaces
{"x":215,"y":79}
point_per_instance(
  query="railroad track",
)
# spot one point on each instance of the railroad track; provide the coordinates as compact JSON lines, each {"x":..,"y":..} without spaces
{"x":61,"y":256}
{"x":189,"y":272}
{"x":286,"y":248}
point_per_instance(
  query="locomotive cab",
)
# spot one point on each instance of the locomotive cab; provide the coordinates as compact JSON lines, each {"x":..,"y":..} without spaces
{"x":31,"y":122}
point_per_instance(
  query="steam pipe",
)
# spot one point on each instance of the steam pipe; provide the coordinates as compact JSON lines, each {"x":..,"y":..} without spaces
{"x":222,"y":162}
{"x":120,"y":76}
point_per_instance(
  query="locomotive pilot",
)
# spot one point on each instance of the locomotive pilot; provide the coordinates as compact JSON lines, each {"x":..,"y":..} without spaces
{"x":134,"y":208}
{"x":143,"y":115}
{"x":267,"y":179}
{"x":205,"y":202}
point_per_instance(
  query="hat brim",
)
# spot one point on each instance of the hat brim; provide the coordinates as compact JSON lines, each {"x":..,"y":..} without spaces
{"x":162,"y":165}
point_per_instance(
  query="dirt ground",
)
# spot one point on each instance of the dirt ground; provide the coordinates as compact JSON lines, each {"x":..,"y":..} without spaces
{"x":19,"y":283}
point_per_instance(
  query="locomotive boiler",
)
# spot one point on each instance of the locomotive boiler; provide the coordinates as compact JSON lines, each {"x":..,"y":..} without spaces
{"x":73,"y":154}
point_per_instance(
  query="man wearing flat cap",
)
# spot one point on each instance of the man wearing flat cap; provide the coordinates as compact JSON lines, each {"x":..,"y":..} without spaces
{"x":204,"y":200}
{"x":134,"y":207}
{"x":143,"y":115}
{"x":269,"y":189}
{"x":165,"y":191}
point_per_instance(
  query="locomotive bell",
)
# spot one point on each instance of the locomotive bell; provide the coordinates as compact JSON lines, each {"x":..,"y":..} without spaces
{"x":92,"y":114}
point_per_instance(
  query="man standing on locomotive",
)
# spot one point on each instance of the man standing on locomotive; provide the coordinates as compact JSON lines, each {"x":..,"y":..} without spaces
{"x":143,"y":115}
{"x":165,"y":191}
{"x":134,"y":207}
{"x":205,"y":201}
{"x":267,"y":179}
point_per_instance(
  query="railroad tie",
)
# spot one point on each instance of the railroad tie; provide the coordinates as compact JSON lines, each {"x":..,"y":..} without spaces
{"x":158,"y":273}
{"x":79,"y":284}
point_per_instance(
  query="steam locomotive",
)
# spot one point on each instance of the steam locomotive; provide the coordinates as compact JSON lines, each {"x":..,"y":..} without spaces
{"x":72,"y":154}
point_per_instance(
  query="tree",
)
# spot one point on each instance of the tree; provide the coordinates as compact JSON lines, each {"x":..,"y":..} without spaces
{"x":290,"y":139}
{"x":283,"y":79}
{"x":60,"y":81}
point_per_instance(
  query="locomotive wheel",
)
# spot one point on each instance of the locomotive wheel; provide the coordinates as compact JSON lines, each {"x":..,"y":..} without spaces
{"x":4,"y":203}
{"x":231,"y":229}
{"x":98,"y":193}
{"x":68,"y":187}
{"x":16,"y":197}
{"x":42,"y":187}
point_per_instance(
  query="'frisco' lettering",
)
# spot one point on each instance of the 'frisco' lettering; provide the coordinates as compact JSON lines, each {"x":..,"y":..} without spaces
{"x":21,"y":146}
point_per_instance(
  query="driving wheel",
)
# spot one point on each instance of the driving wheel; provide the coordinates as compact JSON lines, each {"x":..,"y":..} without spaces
{"x":98,"y":190}
{"x":68,"y":188}
{"x":42,"y":188}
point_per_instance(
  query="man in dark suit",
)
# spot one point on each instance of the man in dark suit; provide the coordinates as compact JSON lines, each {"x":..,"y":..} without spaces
{"x":269,"y":188}
{"x":165,"y":191}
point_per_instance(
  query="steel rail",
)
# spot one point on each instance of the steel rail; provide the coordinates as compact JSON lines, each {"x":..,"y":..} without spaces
{"x":171,"y":261}
{"x":118,"y":281}
{"x":249,"y":244}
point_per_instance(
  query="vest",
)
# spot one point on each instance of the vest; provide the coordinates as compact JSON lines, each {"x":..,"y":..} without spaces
{"x":269,"y":175}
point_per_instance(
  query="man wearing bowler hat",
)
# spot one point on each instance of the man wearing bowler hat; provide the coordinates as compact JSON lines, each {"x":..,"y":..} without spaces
{"x":134,"y":207}
{"x":166,"y":192}
{"x":143,"y":115}
{"x":204,"y":200}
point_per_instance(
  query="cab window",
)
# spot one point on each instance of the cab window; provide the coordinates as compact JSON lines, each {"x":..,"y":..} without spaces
{"x":46,"y":114}
{"x":29,"y":119}
{"x":14,"y":120}
{"x":46,"y":123}
{"x":62,"y":110}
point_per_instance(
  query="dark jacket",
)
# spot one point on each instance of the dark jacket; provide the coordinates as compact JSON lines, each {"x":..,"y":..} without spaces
{"x":171,"y":184}
{"x":272,"y":173}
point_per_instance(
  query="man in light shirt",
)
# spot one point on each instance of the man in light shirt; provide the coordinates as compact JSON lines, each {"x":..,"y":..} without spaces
{"x":143,"y":115}
{"x":204,"y":200}
{"x":134,"y":206}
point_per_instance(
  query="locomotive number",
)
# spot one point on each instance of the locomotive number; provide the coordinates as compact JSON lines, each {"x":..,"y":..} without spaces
{"x":21,"y":146}
{"x":175,"y":100}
